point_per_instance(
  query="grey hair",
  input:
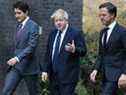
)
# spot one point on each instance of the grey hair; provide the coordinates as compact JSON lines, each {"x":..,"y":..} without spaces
{"x":60,"y":13}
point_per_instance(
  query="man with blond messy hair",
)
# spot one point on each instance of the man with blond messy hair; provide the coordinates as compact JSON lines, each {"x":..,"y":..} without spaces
{"x":65,"y":46}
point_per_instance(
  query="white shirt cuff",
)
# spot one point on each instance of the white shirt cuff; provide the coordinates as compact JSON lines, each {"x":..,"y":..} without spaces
{"x":17,"y":59}
{"x":44,"y":73}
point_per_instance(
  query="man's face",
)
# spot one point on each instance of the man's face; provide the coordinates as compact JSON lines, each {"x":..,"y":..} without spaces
{"x":105,"y":17}
{"x":20,"y":15}
{"x":60,"y":24}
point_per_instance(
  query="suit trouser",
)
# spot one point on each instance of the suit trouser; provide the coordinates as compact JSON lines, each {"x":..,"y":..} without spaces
{"x":109,"y":87}
{"x":58,"y":88}
{"x":13,"y":78}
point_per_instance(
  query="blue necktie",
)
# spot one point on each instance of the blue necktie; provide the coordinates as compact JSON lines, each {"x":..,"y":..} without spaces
{"x":56,"y":50}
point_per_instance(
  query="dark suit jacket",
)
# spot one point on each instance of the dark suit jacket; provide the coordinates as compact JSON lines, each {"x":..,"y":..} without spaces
{"x":112,"y":60}
{"x":67,"y":67}
{"x":25,"y":47}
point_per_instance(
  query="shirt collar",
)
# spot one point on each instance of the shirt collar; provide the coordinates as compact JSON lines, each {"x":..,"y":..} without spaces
{"x":111,"y":26}
{"x":24,"y":22}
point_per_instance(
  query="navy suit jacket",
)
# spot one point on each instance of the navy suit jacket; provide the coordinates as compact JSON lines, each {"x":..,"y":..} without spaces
{"x":112,"y":60}
{"x":25,"y":47}
{"x":67,"y":67}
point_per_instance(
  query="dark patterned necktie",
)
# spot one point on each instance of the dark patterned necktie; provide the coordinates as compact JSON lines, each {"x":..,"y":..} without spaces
{"x":56,"y":50}
{"x":105,"y":36}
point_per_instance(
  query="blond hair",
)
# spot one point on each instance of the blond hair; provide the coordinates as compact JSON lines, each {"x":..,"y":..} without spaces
{"x":60,"y":14}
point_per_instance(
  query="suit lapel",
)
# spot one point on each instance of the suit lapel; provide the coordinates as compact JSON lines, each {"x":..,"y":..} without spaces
{"x":101,"y":36}
{"x":65,"y":39}
{"x":112,"y":35}
{"x":53,"y":35}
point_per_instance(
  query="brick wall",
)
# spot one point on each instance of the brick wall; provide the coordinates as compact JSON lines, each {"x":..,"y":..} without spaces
{"x":40,"y":12}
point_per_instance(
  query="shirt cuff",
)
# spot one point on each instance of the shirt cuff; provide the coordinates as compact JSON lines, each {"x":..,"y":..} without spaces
{"x":44,"y":73}
{"x":17,"y":59}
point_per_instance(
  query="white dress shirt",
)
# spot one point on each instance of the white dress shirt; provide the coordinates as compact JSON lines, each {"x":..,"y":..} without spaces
{"x":24,"y":22}
{"x":109,"y":31}
{"x":61,"y":40}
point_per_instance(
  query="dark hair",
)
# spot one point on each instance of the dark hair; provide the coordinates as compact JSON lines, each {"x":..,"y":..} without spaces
{"x":112,"y":9}
{"x":22,"y":6}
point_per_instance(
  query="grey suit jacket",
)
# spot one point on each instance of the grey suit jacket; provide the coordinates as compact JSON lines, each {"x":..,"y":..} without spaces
{"x":25,"y":48}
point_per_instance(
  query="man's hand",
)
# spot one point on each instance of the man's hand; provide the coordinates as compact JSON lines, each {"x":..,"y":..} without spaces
{"x":93,"y":76}
{"x":44,"y":76}
{"x":70,"y":47}
{"x":122,"y":81}
{"x":12,"y":61}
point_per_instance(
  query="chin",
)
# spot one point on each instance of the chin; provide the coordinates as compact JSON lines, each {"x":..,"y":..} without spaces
{"x":104,"y":24}
{"x":59,"y":28}
{"x":19,"y":20}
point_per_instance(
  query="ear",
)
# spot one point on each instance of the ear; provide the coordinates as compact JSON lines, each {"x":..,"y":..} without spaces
{"x":113,"y":16}
{"x":26,"y":13}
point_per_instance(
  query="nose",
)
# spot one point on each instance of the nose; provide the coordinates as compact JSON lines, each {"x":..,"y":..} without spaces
{"x":16,"y":15}
{"x":58,"y":23}
{"x":101,"y":17}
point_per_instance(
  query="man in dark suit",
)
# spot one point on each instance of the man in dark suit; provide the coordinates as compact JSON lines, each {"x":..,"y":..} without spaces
{"x":65,"y":46}
{"x":112,"y":50}
{"x":22,"y":65}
